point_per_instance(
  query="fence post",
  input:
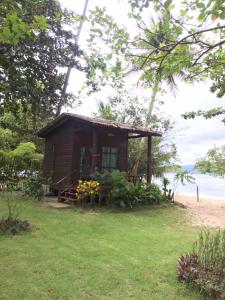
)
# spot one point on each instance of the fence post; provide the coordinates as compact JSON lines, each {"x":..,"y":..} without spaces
{"x":197,"y":193}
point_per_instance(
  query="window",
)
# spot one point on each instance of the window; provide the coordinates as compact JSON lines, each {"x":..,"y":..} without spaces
{"x":109,"y":158}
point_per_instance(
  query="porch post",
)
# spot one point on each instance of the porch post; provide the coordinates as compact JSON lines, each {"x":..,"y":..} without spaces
{"x":94,"y":150}
{"x":149,"y":160}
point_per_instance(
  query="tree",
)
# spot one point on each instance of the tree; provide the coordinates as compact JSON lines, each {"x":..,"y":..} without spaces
{"x":18,"y":127}
{"x":213,"y":163}
{"x":18,"y":163}
{"x":37,"y":45}
{"x":129,"y":109}
{"x":195,"y":47}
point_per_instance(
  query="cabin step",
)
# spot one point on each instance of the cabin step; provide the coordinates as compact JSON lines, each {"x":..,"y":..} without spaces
{"x":63,"y":199}
{"x":68,"y":195}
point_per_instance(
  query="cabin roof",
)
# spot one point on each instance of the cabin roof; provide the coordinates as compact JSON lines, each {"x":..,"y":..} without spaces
{"x":95,"y":122}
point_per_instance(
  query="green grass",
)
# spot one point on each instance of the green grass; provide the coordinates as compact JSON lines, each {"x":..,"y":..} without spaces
{"x":70,"y":254}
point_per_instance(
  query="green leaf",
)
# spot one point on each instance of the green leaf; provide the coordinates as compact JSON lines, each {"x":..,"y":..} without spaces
{"x":222,"y":15}
{"x":200,"y":5}
{"x":202,"y":16}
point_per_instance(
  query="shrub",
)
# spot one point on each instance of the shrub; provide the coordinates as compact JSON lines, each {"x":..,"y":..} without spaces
{"x":104,"y":178}
{"x":11,"y":224}
{"x":19,"y":163}
{"x":123,"y":193}
{"x":187,"y":268}
{"x":33,"y":186}
{"x":154,"y":194}
{"x":209,"y":251}
{"x":87,"y":190}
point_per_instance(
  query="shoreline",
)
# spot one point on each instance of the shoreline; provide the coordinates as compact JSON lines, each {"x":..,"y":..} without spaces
{"x":203,"y":197}
{"x":207,"y":212}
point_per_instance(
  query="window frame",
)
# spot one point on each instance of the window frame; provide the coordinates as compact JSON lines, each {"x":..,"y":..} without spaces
{"x":107,"y":151}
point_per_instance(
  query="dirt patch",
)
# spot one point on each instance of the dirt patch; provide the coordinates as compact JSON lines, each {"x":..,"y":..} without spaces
{"x":53,"y":203}
{"x":206,"y":212}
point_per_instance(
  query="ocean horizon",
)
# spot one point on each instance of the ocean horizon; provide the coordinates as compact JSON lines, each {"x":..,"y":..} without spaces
{"x":208,"y":186}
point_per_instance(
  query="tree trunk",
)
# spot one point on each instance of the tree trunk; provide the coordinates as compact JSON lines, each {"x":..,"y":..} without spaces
{"x":67,"y":76}
{"x":135,"y":167}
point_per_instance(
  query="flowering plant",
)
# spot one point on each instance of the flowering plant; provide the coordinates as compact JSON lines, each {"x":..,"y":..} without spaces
{"x":87,"y":189}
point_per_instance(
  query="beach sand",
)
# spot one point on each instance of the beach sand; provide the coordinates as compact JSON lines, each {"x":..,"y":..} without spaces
{"x":207,"y":212}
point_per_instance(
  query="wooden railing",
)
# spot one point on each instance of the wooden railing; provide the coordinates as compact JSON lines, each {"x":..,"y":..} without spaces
{"x":64,"y":178}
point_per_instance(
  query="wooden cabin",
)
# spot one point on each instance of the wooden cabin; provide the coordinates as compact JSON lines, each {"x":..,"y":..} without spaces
{"x":76,"y":146}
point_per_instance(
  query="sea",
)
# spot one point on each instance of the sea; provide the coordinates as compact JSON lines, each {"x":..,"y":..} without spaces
{"x":208,"y":186}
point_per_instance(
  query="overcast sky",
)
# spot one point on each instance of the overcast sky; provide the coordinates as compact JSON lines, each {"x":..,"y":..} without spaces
{"x":196,"y":136}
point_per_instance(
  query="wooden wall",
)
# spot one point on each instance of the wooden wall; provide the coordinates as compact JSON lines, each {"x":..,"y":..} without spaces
{"x":62,"y":150}
{"x":58,"y":155}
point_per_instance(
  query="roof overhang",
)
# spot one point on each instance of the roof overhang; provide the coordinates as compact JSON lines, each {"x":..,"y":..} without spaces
{"x":96,"y":122}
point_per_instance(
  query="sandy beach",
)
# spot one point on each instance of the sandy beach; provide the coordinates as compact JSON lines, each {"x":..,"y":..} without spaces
{"x":207,"y":212}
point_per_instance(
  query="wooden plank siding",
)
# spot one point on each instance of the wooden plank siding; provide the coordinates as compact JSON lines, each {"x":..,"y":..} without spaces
{"x":58,"y":156}
{"x":68,"y":133}
{"x":62,"y":150}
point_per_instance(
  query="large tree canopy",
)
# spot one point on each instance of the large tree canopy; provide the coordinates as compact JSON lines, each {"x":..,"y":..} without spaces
{"x":194,"y":43}
{"x":37,"y":44}
{"x":174,"y":39}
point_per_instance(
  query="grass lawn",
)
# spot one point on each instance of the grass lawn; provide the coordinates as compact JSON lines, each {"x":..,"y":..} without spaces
{"x":71,"y":254}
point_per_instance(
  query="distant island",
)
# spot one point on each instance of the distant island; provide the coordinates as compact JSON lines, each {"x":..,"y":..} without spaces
{"x":190,"y":168}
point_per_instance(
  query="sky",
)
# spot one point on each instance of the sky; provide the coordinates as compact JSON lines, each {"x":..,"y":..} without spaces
{"x":194,"y":137}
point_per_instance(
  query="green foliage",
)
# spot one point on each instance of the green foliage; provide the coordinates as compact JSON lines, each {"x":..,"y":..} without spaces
{"x":33,"y":186}
{"x":184,"y":177}
{"x":122,"y":193}
{"x":17,"y":126}
{"x":103,"y":177}
{"x":187,"y":268}
{"x":19,"y":163}
{"x":213,"y":163}
{"x":153,"y":194}
{"x":210,"y":249}
{"x":11,"y":224}
{"x":115,"y":39}
{"x":6,"y":138}
{"x":165,"y":183}
{"x":126,"y":108}
{"x":37,"y":45}
{"x":205,"y":268}
{"x":209,"y":114}
{"x":176,"y":41}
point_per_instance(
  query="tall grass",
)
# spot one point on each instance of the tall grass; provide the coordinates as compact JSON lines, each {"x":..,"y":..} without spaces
{"x":210,"y":249}
{"x":205,"y":267}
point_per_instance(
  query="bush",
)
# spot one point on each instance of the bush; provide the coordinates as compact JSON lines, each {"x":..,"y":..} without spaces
{"x":154,"y":194}
{"x":123,"y":193}
{"x":13,"y":226}
{"x":87,"y":190}
{"x":19,"y":163}
{"x":33,"y":186}
{"x":209,"y":252}
{"x":187,"y":268}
